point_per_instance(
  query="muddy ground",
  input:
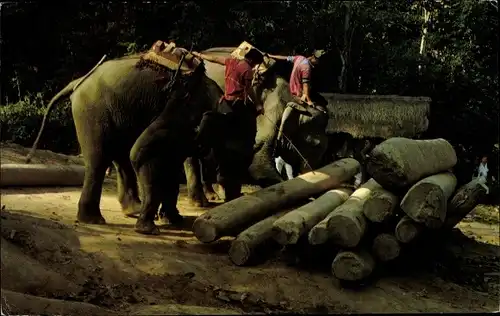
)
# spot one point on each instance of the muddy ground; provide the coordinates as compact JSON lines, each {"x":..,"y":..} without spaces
{"x":52,"y":264}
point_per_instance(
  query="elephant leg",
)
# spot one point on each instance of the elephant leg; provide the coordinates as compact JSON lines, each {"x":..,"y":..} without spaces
{"x":192,"y":169}
{"x":88,"y":206}
{"x":128,"y":194}
{"x":151,"y":197}
{"x":209,"y":178}
{"x":148,"y":156}
{"x":169,"y":214}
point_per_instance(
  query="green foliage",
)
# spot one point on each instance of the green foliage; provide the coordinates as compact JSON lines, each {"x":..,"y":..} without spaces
{"x":20,"y":122}
{"x":374,"y":48}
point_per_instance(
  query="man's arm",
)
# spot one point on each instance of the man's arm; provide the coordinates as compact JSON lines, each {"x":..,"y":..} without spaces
{"x":214,"y":59}
{"x":280,"y":57}
{"x":305,"y":73}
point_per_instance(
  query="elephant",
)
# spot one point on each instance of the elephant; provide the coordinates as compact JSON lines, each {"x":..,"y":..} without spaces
{"x":126,"y":111}
{"x":303,"y":147}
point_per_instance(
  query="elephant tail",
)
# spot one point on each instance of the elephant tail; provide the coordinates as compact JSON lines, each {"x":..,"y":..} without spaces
{"x":69,"y":89}
{"x":64,"y":92}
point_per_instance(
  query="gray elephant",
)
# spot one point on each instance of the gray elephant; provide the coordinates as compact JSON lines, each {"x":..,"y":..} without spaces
{"x":126,"y":111}
{"x":303,"y":147}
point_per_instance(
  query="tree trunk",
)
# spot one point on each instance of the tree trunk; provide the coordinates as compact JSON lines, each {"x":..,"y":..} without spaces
{"x":465,"y":200}
{"x":398,"y":162}
{"x":41,"y":175}
{"x":254,"y":241}
{"x":426,"y":18}
{"x":386,"y":247}
{"x":24,"y":304}
{"x":380,"y":207}
{"x":407,"y":229}
{"x":352,"y":265}
{"x":426,"y":201}
{"x":289,"y":228}
{"x":347,"y":225}
{"x":236,"y":215}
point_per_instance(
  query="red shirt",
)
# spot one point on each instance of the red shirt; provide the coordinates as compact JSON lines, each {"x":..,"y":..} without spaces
{"x":301,"y":73}
{"x":238,"y":79}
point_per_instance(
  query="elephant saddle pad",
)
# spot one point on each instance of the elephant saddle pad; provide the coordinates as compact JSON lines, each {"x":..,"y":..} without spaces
{"x":169,"y":56}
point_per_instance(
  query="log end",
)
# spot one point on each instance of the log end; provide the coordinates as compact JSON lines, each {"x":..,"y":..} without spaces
{"x":386,"y":172}
{"x":318,"y":235}
{"x":285,"y":234}
{"x":352,"y":266}
{"x":239,"y":253}
{"x":425,"y":204}
{"x":386,"y":247}
{"x":204,"y":230}
{"x":406,"y":230}
{"x":345,"y":231}
{"x":377,"y":210}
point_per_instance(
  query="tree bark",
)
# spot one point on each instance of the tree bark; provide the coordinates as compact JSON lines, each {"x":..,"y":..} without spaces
{"x":426,"y":201}
{"x":289,"y":228}
{"x":41,"y":175}
{"x":235,"y":216}
{"x":465,"y":200}
{"x":398,"y":162}
{"x":347,"y":225}
{"x":254,"y":241}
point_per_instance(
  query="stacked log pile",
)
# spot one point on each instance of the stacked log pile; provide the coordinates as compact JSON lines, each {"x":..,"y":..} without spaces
{"x":412,"y":193}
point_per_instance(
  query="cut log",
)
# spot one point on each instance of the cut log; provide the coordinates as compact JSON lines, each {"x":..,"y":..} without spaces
{"x":407,"y":229}
{"x":24,"y":274}
{"x":235,"y":216}
{"x":320,"y":233}
{"x":398,"y":162}
{"x":352,"y":265}
{"x":41,"y":175}
{"x":347,"y":225}
{"x":14,"y":303}
{"x":310,"y":257}
{"x":466,"y":198}
{"x":289,"y":228}
{"x":386,"y":247}
{"x":426,"y":201}
{"x":380,"y":207}
{"x":253,"y":241}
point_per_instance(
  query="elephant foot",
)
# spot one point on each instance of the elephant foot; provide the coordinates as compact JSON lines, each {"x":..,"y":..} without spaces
{"x":146,"y":227}
{"x":212,"y":196}
{"x":175,"y":219}
{"x":86,"y":218}
{"x":132,"y":210}
{"x":209,"y":192}
{"x":217,"y":192}
{"x":199,"y":202}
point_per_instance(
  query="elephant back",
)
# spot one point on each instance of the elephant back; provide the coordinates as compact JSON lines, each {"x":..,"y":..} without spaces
{"x":168,"y":56}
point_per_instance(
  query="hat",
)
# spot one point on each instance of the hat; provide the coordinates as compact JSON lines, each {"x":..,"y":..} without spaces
{"x":318,"y":53}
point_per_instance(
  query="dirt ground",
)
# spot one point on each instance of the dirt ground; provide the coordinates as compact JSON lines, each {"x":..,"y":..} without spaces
{"x":52,"y":264}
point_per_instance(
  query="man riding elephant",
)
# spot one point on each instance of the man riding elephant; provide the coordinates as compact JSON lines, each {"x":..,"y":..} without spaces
{"x":305,"y":147}
{"x":141,"y":113}
{"x":300,"y":87}
{"x":241,"y":106}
